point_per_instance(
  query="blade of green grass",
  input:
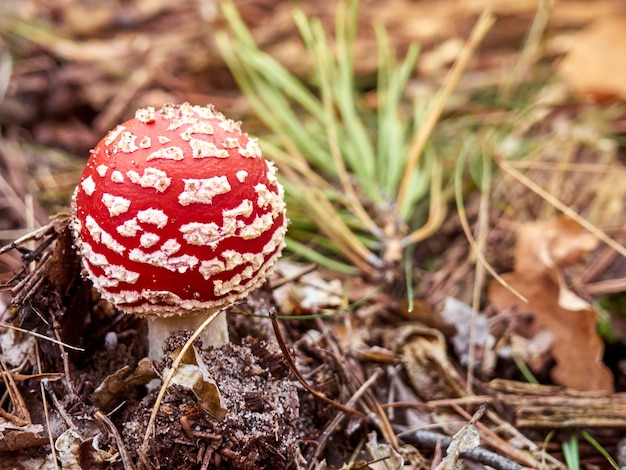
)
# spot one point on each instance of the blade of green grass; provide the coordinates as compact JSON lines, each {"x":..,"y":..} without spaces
{"x":571,"y":453}
{"x":326,"y":76}
{"x":318,"y":258}
{"x":392,"y":127}
{"x":362,"y":154}
{"x":596,"y":445}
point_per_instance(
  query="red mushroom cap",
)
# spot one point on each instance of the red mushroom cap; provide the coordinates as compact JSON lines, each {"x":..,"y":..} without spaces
{"x":178,"y":210}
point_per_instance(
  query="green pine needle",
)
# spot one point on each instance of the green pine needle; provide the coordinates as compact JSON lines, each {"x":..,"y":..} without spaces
{"x":351,"y":169}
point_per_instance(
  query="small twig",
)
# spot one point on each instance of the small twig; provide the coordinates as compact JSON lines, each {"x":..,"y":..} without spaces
{"x":561,"y":206}
{"x":143,"y":460}
{"x":482,"y":226}
{"x":66,"y":365}
{"x":478,"y":414}
{"x":16,"y":420}
{"x":331,"y":426}
{"x":493,"y":439}
{"x":432,"y":440}
{"x":292,"y":366}
{"x":166,"y":381}
{"x":59,"y":407}
{"x":17,"y":400}
{"x":382,"y":422}
{"x":466,"y":400}
{"x":48,"y":426}
{"x":31,"y":283}
{"x":32,"y":235}
{"x":126,"y":460}
{"x":507,"y":428}
{"x":44,"y":402}
{"x":20,"y":282}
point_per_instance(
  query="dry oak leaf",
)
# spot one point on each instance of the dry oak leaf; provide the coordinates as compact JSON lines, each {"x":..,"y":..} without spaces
{"x":541,"y":251}
{"x":596,"y":65}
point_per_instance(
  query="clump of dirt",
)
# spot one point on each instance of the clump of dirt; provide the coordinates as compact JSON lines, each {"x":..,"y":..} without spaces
{"x":259,"y":429}
{"x":98,"y":368}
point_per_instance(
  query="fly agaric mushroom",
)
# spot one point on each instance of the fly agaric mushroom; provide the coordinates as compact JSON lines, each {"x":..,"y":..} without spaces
{"x":178,"y":215}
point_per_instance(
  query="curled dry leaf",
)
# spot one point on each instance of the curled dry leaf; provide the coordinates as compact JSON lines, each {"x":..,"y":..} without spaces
{"x":67,"y":446}
{"x":194,"y":374}
{"x":111,"y":391}
{"x":75,"y":452}
{"x":423,"y":351}
{"x":309,"y":293}
{"x":203,"y":386}
{"x":542,"y":250}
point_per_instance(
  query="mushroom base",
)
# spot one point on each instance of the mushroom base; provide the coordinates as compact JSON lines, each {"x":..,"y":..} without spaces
{"x":160,"y":328}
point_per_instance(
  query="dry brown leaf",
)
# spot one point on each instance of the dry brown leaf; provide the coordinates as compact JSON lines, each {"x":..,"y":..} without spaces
{"x":595,"y":66}
{"x":541,"y":251}
{"x":108,"y":393}
{"x":206,"y":390}
{"x":21,"y":437}
{"x":557,"y":243}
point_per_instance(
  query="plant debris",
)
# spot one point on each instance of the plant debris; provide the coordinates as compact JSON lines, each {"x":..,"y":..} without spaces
{"x":542,"y":251}
{"x":355,"y":375}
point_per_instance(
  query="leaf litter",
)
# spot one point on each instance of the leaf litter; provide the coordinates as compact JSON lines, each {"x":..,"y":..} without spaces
{"x":70,"y":77}
{"x":542,"y":251}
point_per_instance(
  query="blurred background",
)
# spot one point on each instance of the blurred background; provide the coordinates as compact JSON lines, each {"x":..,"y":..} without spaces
{"x":72,"y":69}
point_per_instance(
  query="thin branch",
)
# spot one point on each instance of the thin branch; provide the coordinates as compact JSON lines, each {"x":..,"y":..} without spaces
{"x":121,"y":447}
{"x":40,"y":336}
{"x":468,"y":233}
{"x":294,"y":369}
{"x":568,"y":211}
{"x":168,"y":378}
{"x":431,"y":440}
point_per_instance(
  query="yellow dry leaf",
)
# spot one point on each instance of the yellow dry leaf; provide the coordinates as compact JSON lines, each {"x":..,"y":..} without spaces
{"x":596,"y":65}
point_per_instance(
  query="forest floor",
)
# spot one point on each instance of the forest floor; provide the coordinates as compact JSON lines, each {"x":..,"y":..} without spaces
{"x":511,"y":384}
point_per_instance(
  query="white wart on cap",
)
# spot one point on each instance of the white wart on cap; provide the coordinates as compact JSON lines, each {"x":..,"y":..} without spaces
{"x":178,"y":210}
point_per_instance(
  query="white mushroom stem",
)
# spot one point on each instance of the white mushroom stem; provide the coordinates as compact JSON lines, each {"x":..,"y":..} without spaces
{"x":160,"y":328}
